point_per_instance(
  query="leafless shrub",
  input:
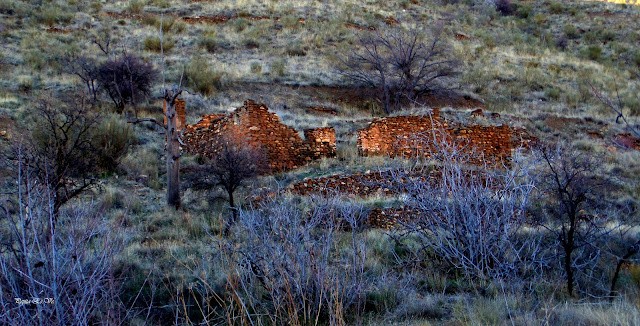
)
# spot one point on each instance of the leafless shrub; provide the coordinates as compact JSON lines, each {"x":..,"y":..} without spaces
{"x":401,"y":65}
{"x":471,"y":218}
{"x":235,"y":159}
{"x":56,"y":276}
{"x":126,"y":79}
{"x":286,"y":269}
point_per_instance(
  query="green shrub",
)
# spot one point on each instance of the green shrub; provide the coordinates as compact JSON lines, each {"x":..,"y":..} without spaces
{"x":26,"y":83}
{"x":634,"y":270}
{"x":52,"y":15}
{"x":141,"y":165}
{"x":552,"y":93}
{"x":607,"y":35}
{"x":96,"y":6}
{"x":202,"y":77}
{"x":208,"y":43}
{"x":150,"y":20}
{"x":556,"y":7}
{"x":256,"y":67}
{"x":591,"y":37}
{"x":278,"y":67}
{"x":290,"y":22}
{"x":490,"y":42}
{"x":636,"y":59}
{"x":112,"y":138}
{"x":135,"y":7}
{"x":295,"y":49}
{"x":161,"y":3}
{"x":240,"y":24}
{"x":382,"y":300}
{"x":594,"y":52}
{"x":251,"y":43}
{"x":633,"y":103}
{"x":524,"y":10}
{"x":153,"y":43}
{"x":570,"y":31}
{"x":179,"y":27}
{"x":166,"y":22}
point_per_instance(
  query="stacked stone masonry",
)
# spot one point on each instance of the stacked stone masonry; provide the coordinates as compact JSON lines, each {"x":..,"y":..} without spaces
{"x":181,"y":113}
{"x":283,"y":146}
{"x":411,"y":136}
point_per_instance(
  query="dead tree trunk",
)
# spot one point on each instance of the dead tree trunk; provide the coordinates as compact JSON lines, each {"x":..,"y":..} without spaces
{"x":173,"y":149}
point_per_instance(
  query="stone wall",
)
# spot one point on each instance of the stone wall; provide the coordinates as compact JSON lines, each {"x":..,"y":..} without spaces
{"x":282,"y":144}
{"x":412,"y":136}
{"x":181,"y":113}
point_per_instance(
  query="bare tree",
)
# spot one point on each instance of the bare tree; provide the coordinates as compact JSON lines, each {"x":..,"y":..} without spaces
{"x":235,"y":159}
{"x":86,"y":68}
{"x":56,"y":276}
{"x":573,"y":208}
{"x":66,"y":150}
{"x":401,"y":65}
{"x":172,"y":133}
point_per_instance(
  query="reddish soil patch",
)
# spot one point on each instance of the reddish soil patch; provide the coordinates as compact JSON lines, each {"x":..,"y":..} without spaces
{"x":560,"y":123}
{"x":322,"y":110}
{"x":215,"y":19}
{"x":627,"y":141}
{"x":359,"y":27}
{"x":391,"y":21}
{"x":357,"y":96}
{"x":125,"y":15}
{"x":450,"y":99}
{"x":477,"y":113}
{"x":595,"y":135}
{"x":8,"y":128}
{"x":463,"y":37}
{"x":221,"y":19}
{"x":362,"y":98}
{"x":55,"y":30}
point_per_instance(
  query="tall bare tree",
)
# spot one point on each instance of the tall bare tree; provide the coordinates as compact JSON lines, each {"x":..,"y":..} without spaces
{"x":573,"y":208}
{"x":172,"y":133}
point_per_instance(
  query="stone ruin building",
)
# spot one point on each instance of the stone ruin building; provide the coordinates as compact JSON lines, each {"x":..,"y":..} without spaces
{"x":407,"y":136}
{"x":411,"y":136}
{"x":282,"y":144}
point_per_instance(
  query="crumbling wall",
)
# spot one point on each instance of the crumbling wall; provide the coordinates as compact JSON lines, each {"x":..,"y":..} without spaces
{"x":282,"y":144}
{"x":181,"y":113}
{"x":399,"y":136}
{"x":412,"y":136}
